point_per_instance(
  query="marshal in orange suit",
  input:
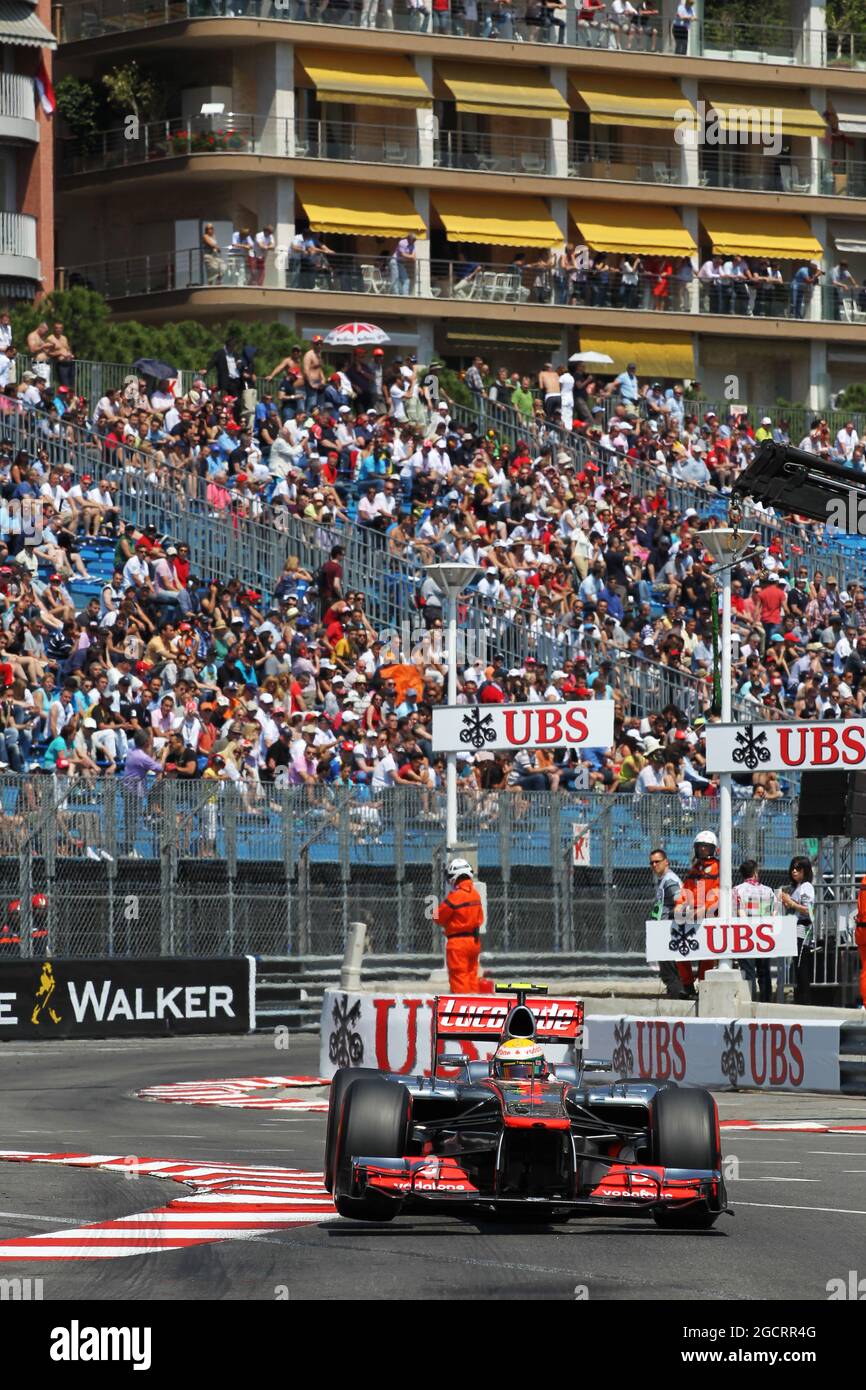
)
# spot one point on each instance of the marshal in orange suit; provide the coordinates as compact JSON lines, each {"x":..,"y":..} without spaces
{"x":461,"y":915}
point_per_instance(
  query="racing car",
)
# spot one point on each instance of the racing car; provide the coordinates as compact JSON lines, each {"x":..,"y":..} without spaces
{"x":520,"y":1135}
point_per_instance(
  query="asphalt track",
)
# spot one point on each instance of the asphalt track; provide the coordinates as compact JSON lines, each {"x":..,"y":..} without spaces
{"x":800,"y":1198}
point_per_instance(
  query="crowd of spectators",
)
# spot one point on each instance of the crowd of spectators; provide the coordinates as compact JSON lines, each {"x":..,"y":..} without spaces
{"x":164,"y":671}
{"x":615,"y":24}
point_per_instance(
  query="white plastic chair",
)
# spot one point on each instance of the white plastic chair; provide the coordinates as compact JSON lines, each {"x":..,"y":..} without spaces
{"x":372,"y":278}
{"x":395,"y":152}
{"x":661,"y":172}
{"x":467,"y":289}
{"x":798,"y":184}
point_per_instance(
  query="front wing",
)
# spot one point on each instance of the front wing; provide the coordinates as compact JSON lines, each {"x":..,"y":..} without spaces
{"x":626,"y":1187}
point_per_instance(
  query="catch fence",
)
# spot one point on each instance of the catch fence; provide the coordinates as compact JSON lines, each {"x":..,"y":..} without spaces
{"x":206,"y":868}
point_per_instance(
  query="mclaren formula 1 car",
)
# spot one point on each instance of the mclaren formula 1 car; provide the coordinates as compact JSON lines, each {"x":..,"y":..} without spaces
{"x":499,"y":1140}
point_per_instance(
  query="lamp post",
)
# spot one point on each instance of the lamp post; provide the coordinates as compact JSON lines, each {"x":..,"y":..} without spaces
{"x":452,"y":579}
{"x":727,"y":546}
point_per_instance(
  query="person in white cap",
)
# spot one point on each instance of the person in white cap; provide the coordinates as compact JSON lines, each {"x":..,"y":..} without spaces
{"x":699,"y":897}
{"x":461,"y":915}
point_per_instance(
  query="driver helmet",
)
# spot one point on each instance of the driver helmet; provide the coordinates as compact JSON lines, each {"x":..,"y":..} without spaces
{"x":459,"y":868}
{"x":708,"y":839}
{"x":519,"y":1059}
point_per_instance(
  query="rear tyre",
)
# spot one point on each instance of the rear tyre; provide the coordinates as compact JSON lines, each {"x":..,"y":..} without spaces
{"x":684,"y":1133}
{"x":340,"y":1084}
{"x":375,"y":1120}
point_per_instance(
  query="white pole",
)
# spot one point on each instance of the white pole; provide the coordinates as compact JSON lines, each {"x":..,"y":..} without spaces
{"x":451,"y":758}
{"x":725,"y":801}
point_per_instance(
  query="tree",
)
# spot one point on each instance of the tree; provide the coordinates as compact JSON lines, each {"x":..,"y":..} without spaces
{"x":78,"y":102}
{"x":134,"y":93}
{"x":853,"y":397}
{"x":96,"y":336}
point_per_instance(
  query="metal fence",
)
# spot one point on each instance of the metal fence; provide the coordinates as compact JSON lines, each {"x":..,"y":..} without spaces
{"x":205,"y":868}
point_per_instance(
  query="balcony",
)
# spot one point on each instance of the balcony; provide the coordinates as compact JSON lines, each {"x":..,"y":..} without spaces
{"x":532,"y":285}
{"x":18,"y":258}
{"x":240,"y":134}
{"x":17,"y":109}
{"x":716,"y":39}
{"x":533,"y":156}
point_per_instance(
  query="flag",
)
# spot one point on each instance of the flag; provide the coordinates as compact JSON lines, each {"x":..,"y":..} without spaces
{"x":44,"y":89}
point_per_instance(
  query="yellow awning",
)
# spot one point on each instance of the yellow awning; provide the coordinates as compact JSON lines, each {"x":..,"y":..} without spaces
{"x":518,"y":221}
{"x":781,"y":236}
{"x":367,"y":79}
{"x":650,"y":102}
{"x":738,"y":110}
{"x":503,"y":91}
{"x":359,"y":209}
{"x":671,"y":356}
{"x":640,"y":228}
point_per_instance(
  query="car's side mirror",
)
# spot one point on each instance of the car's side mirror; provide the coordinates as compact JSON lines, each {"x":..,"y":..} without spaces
{"x":456,"y":1060}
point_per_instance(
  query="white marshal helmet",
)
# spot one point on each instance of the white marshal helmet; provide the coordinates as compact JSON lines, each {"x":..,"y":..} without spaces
{"x":459,"y":868}
{"x":707,"y":837}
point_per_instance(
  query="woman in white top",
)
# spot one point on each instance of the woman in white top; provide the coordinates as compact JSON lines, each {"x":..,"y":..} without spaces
{"x":801,"y":902}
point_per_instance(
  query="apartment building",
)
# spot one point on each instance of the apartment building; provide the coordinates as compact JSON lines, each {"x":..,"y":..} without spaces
{"x":495,"y":134}
{"x":26,"y":153}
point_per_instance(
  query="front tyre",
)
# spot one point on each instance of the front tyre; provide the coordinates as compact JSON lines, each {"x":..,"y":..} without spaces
{"x":684,"y":1133}
{"x":340,"y":1083}
{"x":375,"y":1121}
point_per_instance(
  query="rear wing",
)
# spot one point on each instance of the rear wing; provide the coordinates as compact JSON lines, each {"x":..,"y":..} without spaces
{"x":485,"y":1018}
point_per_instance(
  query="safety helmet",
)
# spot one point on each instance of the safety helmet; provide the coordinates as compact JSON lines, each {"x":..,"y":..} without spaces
{"x":459,"y":868}
{"x":519,"y":1059}
{"x":707,"y":837}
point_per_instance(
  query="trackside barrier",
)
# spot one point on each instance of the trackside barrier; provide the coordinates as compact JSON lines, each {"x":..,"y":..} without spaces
{"x":852,"y":1058}
{"x":57,"y":998}
{"x":392,"y":1032}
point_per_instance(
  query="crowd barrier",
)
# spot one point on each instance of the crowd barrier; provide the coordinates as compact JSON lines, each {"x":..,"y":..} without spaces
{"x":392,"y":1032}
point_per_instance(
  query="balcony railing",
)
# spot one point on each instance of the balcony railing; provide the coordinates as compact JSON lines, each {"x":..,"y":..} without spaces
{"x":241,"y":134}
{"x":17,"y":235}
{"x":87,"y":19}
{"x":355,"y":142}
{"x":16,"y":97}
{"x":495,"y":153}
{"x":530,"y":284}
{"x":361,"y":143}
{"x":629,"y":164}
